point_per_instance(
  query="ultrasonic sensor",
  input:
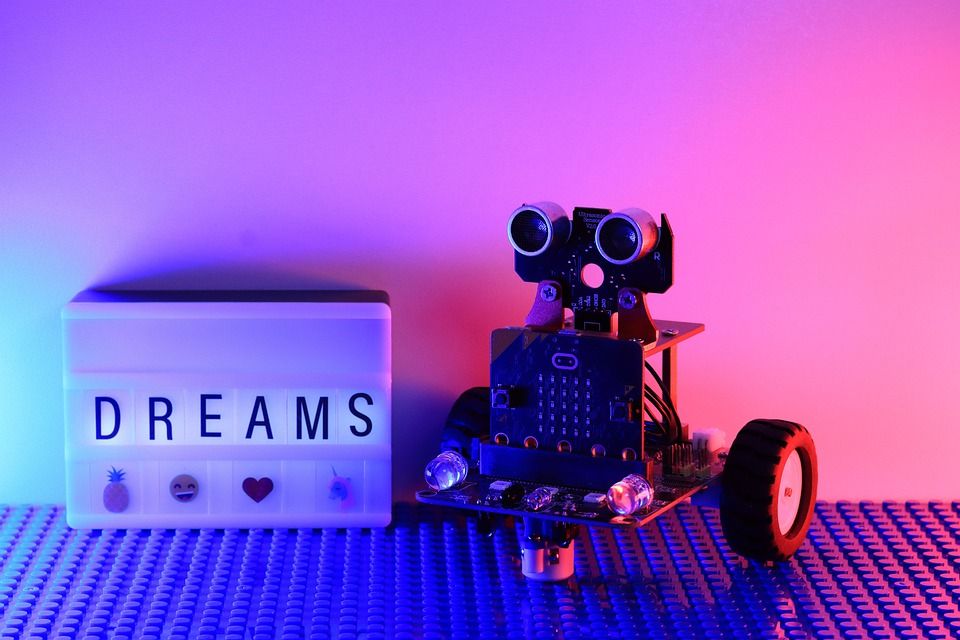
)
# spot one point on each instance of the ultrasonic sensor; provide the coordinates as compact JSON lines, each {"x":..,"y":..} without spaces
{"x":626,"y":236}
{"x":534,"y":228}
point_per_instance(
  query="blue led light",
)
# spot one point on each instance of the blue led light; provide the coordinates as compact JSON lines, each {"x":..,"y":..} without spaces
{"x":446,"y":471}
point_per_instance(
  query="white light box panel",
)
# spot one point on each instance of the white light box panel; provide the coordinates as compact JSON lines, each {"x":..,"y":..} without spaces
{"x":190,"y":409}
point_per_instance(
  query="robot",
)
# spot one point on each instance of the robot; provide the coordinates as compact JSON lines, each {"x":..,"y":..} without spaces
{"x":579,"y":427}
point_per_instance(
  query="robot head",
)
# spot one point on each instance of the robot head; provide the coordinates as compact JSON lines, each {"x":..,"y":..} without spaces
{"x":593,"y":257}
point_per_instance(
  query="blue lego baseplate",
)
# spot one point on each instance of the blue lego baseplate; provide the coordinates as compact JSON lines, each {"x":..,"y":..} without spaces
{"x":866,"y":570}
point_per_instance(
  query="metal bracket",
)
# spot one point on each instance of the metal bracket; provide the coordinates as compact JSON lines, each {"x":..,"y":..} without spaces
{"x":635,"y":322}
{"x":546,"y":314}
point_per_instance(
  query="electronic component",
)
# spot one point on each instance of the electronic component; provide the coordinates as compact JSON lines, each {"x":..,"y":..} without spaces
{"x":534,"y":228}
{"x":594,"y":498}
{"x":678,"y":460}
{"x":583,"y":428}
{"x":711,"y":440}
{"x":539,"y":498}
{"x":546,"y":550}
{"x":512,"y":496}
{"x":636,"y":257}
{"x":630,"y":495}
{"x":501,"y":397}
{"x":560,"y":405}
{"x":446,"y":471}
{"x":626,"y":236}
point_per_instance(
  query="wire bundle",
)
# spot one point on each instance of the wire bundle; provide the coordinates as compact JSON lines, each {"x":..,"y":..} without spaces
{"x":664,"y":427}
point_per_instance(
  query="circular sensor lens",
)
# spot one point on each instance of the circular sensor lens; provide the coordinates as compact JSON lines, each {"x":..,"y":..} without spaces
{"x":535,"y":227}
{"x":530,"y":232}
{"x":626,"y":236}
{"x":620,"y":240}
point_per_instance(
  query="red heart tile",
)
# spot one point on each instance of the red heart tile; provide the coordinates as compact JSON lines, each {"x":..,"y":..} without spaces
{"x":257,"y":489}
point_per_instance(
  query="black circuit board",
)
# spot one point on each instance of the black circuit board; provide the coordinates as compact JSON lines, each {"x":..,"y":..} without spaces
{"x":571,"y":504}
{"x":567,"y":388}
{"x":564,"y":263}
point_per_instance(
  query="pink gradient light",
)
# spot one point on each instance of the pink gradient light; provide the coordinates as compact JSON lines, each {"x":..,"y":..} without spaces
{"x":807,"y":154}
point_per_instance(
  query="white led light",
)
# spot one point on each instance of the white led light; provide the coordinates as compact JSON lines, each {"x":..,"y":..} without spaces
{"x":446,"y":471}
{"x":539,"y":498}
{"x":630,"y":495}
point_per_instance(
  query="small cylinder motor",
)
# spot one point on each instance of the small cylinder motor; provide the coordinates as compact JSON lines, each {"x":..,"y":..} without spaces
{"x":546,"y":561}
{"x":546,"y":550}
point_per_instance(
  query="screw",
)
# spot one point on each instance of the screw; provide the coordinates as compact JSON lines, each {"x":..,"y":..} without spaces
{"x":548,"y":293}
{"x":628,"y":300}
{"x":670,"y":332}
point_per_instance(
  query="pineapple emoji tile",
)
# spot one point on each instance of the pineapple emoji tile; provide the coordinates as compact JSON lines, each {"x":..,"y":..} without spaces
{"x":116,"y":496}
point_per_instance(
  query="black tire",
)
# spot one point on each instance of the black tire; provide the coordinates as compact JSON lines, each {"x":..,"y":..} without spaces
{"x":751,"y":500}
{"x":468,"y":423}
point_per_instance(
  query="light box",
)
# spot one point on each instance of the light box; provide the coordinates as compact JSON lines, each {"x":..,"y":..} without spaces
{"x":188,"y":409}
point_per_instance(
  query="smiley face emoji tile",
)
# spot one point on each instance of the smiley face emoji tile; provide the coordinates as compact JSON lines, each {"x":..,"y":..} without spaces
{"x":184,"y":488}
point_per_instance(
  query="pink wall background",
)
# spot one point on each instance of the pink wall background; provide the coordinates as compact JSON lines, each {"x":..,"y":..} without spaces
{"x":807,"y":154}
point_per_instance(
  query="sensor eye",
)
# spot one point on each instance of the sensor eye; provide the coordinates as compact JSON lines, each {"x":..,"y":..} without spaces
{"x":530,"y":232}
{"x":534,"y":228}
{"x":619,"y":240}
{"x":626,"y":236}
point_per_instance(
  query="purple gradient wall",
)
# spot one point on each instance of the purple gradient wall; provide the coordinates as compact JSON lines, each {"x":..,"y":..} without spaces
{"x":807,"y":153}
